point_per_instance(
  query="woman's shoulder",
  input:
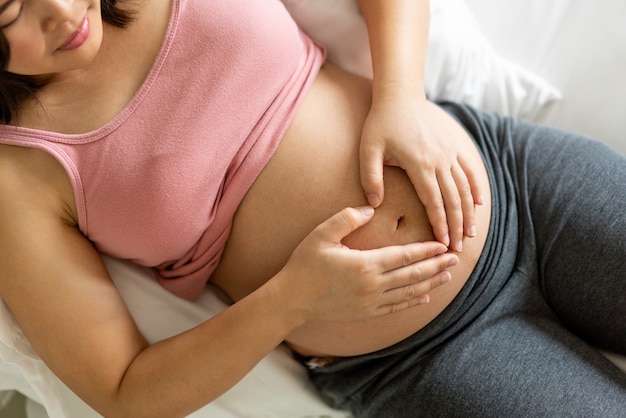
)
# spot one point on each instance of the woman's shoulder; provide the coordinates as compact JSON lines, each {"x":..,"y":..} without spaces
{"x":32,"y":181}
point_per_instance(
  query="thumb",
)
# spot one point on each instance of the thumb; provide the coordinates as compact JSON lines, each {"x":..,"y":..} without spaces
{"x":372,"y":160}
{"x":340,"y":225}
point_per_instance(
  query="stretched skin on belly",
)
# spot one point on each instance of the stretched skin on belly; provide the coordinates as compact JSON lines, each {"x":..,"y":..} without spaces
{"x":314,"y":174}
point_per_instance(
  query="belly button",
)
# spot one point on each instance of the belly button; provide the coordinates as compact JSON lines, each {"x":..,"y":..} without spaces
{"x":399,"y":222}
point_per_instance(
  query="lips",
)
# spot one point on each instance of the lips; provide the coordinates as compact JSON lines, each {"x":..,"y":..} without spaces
{"x":78,"y":37}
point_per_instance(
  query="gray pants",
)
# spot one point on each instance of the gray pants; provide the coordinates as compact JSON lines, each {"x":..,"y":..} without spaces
{"x":551,"y":282}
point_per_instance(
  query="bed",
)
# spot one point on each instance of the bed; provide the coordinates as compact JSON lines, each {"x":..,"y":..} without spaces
{"x":561,"y":63}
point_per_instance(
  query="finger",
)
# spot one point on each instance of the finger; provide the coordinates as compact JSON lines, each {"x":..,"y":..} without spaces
{"x":473,"y":181}
{"x":371,"y":166}
{"x":397,"y":256}
{"x":429,"y":193}
{"x":412,"y":295}
{"x":343,"y":223}
{"x":420,"y":276}
{"x":467,"y":200}
{"x":453,"y":208}
{"x":401,"y":306}
{"x":407,"y":298}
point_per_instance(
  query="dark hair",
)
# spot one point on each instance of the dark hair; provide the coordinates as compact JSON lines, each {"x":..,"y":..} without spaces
{"x":16,"y":88}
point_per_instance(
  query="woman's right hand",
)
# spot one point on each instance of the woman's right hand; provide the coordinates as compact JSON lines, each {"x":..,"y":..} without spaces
{"x":325,"y":280}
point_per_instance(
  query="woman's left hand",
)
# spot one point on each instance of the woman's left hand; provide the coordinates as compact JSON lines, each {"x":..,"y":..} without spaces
{"x":401,"y":131}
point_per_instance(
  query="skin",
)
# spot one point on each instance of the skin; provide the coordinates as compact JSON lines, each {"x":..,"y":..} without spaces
{"x":329,"y":271}
{"x":401,"y":128}
{"x":38,"y":29}
{"x":316,"y":158}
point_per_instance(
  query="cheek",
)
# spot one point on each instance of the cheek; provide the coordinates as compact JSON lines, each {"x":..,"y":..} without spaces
{"x":26,"y":56}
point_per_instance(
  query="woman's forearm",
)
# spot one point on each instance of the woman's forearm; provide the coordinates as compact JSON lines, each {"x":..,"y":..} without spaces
{"x":179,"y":375}
{"x":398,"y":33}
{"x":61,"y":295}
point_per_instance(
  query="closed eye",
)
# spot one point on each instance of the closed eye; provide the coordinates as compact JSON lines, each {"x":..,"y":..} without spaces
{"x":11,"y":11}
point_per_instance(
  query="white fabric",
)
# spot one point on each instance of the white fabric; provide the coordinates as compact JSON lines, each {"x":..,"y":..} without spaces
{"x":461,"y":64}
{"x":579,"y":46}
{"x":276,"y":387}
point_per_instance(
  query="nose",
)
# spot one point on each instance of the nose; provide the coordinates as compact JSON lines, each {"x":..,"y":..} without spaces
{"x":55,"y":13}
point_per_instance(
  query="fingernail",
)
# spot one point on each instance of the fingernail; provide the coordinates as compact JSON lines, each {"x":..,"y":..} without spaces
{"x":446,"y":241}
{"x":373,"y":199}
{"x":367,"y":211}
{"x":423,"y":299}
{"x":441,"y":249}
{"x":459,"y":246}
{"x":472,"y":231}
{"x":480,"y":200}
{"x":446,"y":278}
{"x":453,"y":261}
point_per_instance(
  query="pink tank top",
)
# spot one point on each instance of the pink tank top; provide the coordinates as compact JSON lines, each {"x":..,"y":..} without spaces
{"x":159,"y":184}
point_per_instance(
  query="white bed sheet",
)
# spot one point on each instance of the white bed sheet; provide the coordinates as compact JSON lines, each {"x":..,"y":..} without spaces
{"x":276,"y":387}
{"x":578,"y":46}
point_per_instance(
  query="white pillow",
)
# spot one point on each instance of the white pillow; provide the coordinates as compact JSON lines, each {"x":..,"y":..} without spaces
{"x":277,"y":387}
{"x":461,"y":64}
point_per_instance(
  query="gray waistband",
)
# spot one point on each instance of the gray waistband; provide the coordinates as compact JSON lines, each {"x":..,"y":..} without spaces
{"x":493,"y":269}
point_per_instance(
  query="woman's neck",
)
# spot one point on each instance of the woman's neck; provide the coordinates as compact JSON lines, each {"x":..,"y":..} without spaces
{"x":84,"y":100}
{"x":70,"y":103}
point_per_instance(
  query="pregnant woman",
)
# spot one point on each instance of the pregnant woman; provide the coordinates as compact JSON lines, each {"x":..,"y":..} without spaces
{"x":209,"y":140}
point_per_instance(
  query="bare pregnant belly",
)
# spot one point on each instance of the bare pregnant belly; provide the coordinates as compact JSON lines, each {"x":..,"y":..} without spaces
{"x":313,"y":175}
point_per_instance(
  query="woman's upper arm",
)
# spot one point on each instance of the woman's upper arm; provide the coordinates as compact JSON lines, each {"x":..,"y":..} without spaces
{"x":55,"y":284}
{"x":58,"y":289}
